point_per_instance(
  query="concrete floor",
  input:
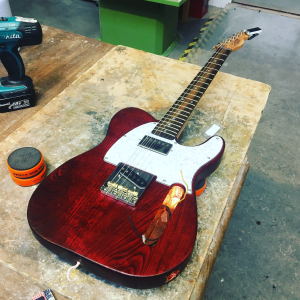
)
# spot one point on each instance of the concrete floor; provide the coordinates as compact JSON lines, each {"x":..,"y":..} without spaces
{"x":291,"y":6}
{"x":260,"y":255}
{"x":77,"y":16}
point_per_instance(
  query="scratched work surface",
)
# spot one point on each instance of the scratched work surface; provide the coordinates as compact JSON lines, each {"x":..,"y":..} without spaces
{"x":60,"y":59}
{"x":77,"y":120}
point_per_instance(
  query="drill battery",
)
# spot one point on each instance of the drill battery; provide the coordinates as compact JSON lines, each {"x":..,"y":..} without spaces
{"x":16,"y":96}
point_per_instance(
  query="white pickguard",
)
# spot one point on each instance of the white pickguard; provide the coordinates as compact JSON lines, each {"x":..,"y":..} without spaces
{"x":165,"y":167}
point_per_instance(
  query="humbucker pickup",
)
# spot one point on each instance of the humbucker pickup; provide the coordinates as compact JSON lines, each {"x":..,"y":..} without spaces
{"x":155,"y":145}
{"x":126,"y":184}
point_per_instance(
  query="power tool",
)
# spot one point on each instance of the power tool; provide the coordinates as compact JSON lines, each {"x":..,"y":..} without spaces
{"x":16,"y":89}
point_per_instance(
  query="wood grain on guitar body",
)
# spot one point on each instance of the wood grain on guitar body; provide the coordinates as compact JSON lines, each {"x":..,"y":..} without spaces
{"x":95,"y":207}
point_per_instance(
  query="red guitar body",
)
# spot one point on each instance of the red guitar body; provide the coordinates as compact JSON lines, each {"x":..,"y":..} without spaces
{"x":70,"y":216}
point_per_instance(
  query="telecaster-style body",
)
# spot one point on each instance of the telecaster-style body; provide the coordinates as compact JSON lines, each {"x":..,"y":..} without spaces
{"x":96,"y":207}
{"x":69,"y":215}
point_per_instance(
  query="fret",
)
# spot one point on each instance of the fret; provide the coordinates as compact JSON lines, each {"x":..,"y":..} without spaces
{"x":210,"y":73}
{"x":167,"y":129}
{"x":170,"y":121}
{"x":172,"y":124}
{"x":178,"y":111}
{"x":208,"y":78}
{"x":210,"y":69}
{"x":180,"y":115}
{"x":182,"y":102}
{"x":163,"y":128}
{"x":167,"y":126}
{"x":188,"y":104}
{"x":191,"y":88}
{"x":197,"y":90}
{"x":170,"y":117}
{"x":181,"y":123}
{"x":194,"y":96}
{"x":188,"y":108}
{"x":222,"y":57}
{"x":177,"y":115}
{"x":191,"y":103}
{"x":201,"y":87}
{"x":205,"y":83}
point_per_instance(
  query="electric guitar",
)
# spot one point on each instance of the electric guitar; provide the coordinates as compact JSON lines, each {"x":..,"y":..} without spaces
{"x":103,"y":207}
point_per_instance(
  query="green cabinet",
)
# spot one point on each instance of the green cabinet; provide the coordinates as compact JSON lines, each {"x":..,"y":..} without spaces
{"x":146,"y":25}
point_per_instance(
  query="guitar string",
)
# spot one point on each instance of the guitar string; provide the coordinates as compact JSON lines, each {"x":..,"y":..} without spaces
{"x":210,"y":63}
{"x":178,"y":114}
{"x":193,"y":83}
{"x":176,"y":110}
{"x":169,"y":114}
{"x":213,"y":60}
{"x":195,"y":80}
{"x":186,"y":93}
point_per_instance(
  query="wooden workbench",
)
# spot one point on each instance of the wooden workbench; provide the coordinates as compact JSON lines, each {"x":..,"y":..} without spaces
{"x":77,"y":119}
{"x":53,"y":65}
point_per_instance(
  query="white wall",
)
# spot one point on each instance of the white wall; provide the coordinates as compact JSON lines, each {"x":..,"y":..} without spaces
{"x":219,"y":3}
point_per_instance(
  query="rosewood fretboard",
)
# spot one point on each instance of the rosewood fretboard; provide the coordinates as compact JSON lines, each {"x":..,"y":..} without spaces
{"x":173,"y":122}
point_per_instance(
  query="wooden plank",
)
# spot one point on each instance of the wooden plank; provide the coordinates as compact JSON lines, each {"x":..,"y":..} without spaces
{"x":14,"y":285}
{"x":77,"y":120}
{"x":53,"y":65}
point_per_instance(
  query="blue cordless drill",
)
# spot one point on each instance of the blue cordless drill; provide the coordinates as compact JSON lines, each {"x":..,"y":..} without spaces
{"x":16,"y":89}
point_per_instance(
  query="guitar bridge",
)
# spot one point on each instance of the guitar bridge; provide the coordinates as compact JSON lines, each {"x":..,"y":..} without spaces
{"x":126,"y":184}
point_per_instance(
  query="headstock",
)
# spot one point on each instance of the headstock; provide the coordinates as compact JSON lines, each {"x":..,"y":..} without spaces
{"x":237,"y":40}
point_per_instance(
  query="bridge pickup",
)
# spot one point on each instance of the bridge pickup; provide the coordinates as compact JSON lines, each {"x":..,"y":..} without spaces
{"x":133,"y":175}
{"x":155,"y":145}
{"x":126,"y":184}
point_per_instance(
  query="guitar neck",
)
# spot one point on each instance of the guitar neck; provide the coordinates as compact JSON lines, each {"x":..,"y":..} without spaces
{"x":174,"y":121}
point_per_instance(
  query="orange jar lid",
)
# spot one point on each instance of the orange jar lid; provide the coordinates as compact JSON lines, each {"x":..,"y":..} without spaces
{"x":25,"y":162}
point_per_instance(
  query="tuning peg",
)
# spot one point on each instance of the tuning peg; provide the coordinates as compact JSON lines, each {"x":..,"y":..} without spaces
{"x":253,"y":32}
{"x":252,"y":36}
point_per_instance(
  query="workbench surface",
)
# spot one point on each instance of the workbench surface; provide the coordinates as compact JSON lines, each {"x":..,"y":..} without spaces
{"x":60,"y":59}
{"x":77,"y":120}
